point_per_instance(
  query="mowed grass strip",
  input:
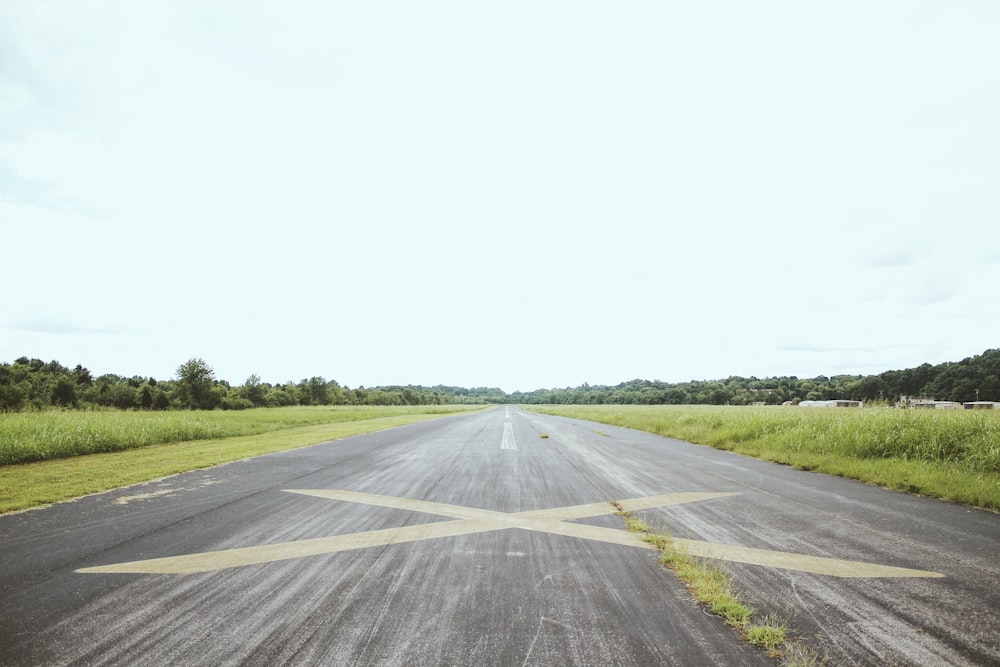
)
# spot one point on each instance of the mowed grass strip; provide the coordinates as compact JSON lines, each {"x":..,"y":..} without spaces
{"x":23,"y":486}
{"x":953,"y":455}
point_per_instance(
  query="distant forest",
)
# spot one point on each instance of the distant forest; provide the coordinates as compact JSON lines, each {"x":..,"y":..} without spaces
{"x":33,"y":384}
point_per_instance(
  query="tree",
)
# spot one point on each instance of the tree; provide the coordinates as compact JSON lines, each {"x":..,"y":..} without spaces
{"x":254,"y":391}
{"x":12,"y":393}
{"x":314,"y":391}
{"x":278,"y":396}
{"x":122,"y":395}
{"x":161,"y":401}
{"x":144,"y":397}
{"x":64,"y":392}
{"x":194,"y":384}
{"x":83,"y":376}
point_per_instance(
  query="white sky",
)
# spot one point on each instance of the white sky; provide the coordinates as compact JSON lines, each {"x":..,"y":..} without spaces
{"x":516,"y":194}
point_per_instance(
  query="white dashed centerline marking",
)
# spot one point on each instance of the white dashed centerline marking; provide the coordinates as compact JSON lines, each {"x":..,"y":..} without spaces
{"x":508,"y":437}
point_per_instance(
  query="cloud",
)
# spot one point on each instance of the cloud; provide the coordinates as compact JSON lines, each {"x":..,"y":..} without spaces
{"x":40,"y":67}
{"x":16,"y":190}
{"x":891,"y":257}
{"x":49,"y":325}
{"x":834,"y":349}
{"x":895,"y":252}
{"x":988,"y":254}
{"x":936,"y":288}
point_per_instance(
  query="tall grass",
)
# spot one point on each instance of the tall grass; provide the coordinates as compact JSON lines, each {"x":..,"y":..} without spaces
{"x":950,"y":454}
{"x":37,"y":436}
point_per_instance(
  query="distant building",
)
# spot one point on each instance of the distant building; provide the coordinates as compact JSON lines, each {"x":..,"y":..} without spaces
{"x":915,"y":402}
{"x":982,"y":405}
{"x":925,"y":403}
{"x":831,"y":404}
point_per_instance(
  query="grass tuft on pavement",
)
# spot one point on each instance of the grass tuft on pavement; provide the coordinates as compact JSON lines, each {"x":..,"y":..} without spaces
{"x":713,"y":586}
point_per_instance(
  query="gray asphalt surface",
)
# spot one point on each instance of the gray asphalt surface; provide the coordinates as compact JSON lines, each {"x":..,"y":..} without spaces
{"x":505,"y":595}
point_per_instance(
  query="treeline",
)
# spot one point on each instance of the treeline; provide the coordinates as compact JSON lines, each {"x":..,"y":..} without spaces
{"x":32,"y":384}
{"x":973,"y":378}
{"x":731,"y":391}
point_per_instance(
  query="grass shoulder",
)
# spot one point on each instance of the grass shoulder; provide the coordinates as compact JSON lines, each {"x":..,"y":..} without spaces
{"x":37,"y":483}
{"x":952,"y":455}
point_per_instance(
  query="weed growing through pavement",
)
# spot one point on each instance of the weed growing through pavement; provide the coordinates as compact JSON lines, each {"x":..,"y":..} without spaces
{"x":712,"y":585}
{"x":797,"y":655}
{"x":771,"y":634}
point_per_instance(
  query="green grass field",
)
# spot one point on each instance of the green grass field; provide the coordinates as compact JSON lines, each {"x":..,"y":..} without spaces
{"x":53,"y":456}
{"x":953,"y":455}
{"x":39,"y":436}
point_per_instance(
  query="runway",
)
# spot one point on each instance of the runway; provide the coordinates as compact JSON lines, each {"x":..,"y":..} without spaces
{"x":490,"y":538}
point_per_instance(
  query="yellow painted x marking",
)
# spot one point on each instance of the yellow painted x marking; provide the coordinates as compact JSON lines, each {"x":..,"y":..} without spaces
{"x":469,"y":520}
